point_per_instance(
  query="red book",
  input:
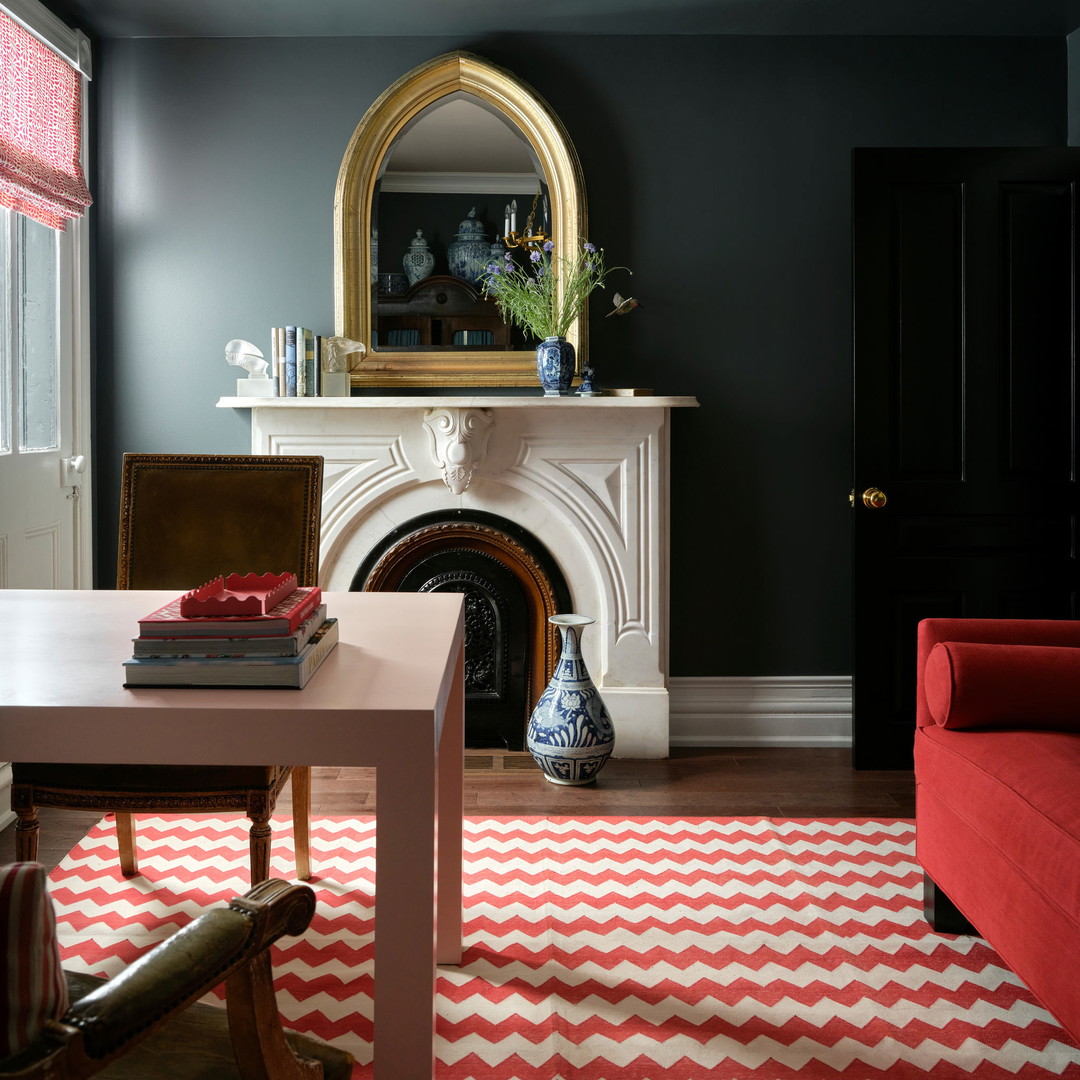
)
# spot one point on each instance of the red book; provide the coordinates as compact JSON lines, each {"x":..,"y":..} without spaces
{"x":285,"y":618}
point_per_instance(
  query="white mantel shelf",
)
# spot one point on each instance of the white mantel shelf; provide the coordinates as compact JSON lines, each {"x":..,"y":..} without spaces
{"x":590,"y":486}
{"x":459,"y":401}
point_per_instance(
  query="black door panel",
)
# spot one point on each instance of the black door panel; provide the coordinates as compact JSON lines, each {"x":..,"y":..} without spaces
{"x":964,"y":275}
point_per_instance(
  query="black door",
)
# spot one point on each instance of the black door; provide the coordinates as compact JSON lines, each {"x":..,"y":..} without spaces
{"x":965,"y":491}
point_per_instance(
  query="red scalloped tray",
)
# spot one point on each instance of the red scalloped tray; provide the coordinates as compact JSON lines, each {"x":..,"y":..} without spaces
{"x":237,"y":594}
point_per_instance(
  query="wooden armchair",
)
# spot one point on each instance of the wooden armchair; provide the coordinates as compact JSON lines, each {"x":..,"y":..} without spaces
{"x":147,"y":1022}
{"x":185,"y":519}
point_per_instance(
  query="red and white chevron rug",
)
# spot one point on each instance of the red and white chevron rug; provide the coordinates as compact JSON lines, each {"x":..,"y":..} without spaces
{"x":603,"y":948}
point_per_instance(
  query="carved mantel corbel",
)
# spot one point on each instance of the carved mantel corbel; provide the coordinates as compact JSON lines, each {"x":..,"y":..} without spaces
{"x":458,"y":442}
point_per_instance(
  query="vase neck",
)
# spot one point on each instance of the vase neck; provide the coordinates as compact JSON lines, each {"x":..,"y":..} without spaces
{"x":571,"y":641}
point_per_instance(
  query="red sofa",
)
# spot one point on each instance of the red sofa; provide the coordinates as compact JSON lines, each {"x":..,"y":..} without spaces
{"x":997,"y":770}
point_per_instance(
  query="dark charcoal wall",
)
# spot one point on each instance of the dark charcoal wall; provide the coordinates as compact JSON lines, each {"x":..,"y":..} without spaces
{"x":1073,"y":48}
{"x":717,"y":168}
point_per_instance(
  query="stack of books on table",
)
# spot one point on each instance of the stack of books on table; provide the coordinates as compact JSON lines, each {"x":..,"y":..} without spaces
{"x":251,"y":630}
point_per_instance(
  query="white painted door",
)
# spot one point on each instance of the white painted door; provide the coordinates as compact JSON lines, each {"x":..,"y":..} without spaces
{"x":42,"y":469}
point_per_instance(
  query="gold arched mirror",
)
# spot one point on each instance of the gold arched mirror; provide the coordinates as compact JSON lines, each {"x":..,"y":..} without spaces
{"x":409,"y":149}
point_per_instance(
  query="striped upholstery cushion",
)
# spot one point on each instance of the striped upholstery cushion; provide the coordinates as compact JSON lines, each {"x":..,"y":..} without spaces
{"x":32,"y":986}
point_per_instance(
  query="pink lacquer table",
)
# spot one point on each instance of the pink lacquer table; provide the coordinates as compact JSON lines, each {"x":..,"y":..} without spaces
{"x":391,"y":695}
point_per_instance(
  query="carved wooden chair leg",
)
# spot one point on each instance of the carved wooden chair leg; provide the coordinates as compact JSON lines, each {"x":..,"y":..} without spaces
{"x":27,"y":831}
{"x":125,"y":841}
{"x":301,"y":815}
{"x":255,"y":1027}
{"x":259,"y":845}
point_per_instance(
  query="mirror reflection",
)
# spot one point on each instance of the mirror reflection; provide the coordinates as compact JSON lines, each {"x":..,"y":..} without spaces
{"x":454,"y":182}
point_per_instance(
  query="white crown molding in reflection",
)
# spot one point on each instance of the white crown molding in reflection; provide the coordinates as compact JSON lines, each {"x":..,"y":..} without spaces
{"x":460,"y":183}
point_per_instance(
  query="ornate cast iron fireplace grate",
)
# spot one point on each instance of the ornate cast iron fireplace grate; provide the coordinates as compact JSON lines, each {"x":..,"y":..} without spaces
{"x":511,"y":585}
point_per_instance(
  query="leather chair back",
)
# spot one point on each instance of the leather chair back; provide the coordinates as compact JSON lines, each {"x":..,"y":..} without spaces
{"x":186,"y":518}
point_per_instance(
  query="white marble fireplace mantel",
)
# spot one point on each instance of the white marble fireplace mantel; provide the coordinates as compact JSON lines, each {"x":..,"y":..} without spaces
{"x":588,"y":477}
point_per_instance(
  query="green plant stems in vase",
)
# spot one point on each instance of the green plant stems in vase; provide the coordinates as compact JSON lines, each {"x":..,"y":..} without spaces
{"x":544,"y":293}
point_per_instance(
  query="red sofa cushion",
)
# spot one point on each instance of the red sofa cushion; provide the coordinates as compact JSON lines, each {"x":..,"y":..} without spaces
{"x":974,"y":685}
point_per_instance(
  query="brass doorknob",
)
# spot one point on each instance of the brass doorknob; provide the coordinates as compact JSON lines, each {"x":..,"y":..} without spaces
{"x":874,"y":498}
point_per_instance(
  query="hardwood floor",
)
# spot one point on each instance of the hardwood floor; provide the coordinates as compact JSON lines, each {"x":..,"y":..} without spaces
{"x":718,"y":782}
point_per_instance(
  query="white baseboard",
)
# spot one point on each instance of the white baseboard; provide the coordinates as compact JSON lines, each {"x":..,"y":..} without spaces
{"x":762,"y":711}
{"x":7,"y":815}
{"x":721,"y":711}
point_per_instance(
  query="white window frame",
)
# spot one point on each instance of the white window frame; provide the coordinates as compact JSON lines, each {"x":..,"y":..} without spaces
{"x":73,"y":272}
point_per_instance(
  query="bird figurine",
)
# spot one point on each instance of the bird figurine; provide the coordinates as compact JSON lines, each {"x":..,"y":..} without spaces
{"x":622,"y":307}
{"x":240,"y":353}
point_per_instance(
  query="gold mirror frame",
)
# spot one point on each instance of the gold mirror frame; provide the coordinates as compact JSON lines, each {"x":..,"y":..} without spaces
{"x":360,"y":168}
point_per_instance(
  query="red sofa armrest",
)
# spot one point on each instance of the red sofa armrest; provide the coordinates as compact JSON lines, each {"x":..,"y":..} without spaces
{"x":990,"y":632}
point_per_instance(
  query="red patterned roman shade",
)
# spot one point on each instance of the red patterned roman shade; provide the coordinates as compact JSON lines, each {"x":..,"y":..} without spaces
{"x":40,"y":130}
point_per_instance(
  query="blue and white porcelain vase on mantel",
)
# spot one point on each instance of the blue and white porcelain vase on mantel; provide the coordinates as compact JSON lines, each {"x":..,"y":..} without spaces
{"x":570,"y":734}
{"x":555,"y":363}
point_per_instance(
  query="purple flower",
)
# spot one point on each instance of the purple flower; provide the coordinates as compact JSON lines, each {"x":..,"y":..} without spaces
{"x":535,"y":256}
{"x":494,"y":268}
{"x":549,"y":245}
{"x":589,"y":247}
{"x":509,"y":256}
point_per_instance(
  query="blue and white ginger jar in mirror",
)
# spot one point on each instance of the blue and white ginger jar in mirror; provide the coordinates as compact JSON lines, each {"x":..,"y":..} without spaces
{"x":570,"y":734}
{"x":418,"y":262}
{"x":470,"y":253}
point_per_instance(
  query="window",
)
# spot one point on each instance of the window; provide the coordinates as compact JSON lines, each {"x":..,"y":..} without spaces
{"x":29,"y":387}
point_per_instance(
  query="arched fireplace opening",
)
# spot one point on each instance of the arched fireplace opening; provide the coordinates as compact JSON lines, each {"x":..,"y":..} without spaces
{"x":512,"y":585}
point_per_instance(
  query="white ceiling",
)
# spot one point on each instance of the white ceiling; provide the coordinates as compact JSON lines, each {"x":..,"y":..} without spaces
{"x":430,"y":18}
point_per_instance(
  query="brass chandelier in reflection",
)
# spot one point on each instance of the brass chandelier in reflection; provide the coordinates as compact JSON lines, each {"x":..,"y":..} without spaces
{"x":531,"y":238}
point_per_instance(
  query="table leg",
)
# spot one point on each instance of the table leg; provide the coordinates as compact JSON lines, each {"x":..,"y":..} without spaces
{"x":418,"y":843}
{"x":405,"y":887}
{"x":451,"y":795}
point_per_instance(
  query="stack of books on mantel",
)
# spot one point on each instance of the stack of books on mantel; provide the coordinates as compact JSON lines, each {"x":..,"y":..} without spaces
{"x":250,"y":630}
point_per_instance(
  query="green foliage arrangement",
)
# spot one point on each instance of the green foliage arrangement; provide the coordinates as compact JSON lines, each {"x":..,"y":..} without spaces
{"x":527,"y":293}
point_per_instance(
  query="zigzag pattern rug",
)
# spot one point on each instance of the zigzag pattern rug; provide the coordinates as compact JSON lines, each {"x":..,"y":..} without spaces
{"x":596,"y":949}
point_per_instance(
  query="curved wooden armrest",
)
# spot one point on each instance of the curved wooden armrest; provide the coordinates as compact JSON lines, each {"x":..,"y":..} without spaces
{"x":187,"y":965}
